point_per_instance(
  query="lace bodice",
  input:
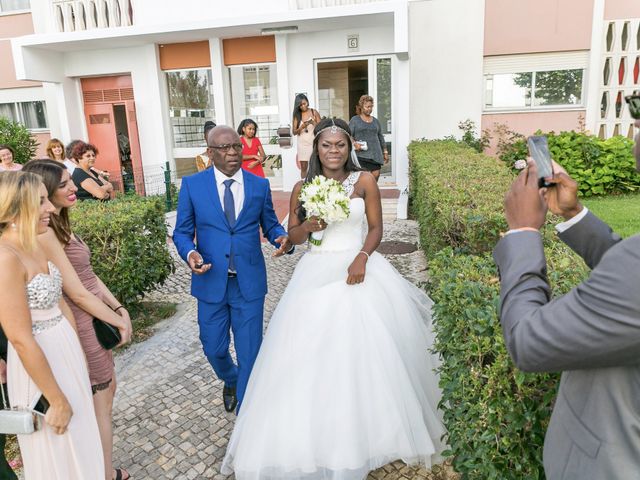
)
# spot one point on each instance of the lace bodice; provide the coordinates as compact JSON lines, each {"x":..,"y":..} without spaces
{"x":347,"y":235}
{"x":43,"y":294}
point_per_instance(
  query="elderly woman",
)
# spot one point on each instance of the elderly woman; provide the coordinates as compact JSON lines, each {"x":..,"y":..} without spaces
{"x":369,"y":141}
{"x":7,"y":156}
{"x":91,"y":186}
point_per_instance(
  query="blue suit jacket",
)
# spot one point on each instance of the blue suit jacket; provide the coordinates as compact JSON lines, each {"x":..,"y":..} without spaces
{"x":200,"y":213}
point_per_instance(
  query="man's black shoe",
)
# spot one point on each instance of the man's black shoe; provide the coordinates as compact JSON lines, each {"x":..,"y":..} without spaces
{"x":229,"y":398}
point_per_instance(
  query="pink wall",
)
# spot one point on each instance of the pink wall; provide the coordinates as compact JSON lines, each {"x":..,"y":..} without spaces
{"x":528,"y":122}
{"x":12,"y":26}
{"x":530,"y":26}
{"x":621,"y":9}
{"x":42,"y":139}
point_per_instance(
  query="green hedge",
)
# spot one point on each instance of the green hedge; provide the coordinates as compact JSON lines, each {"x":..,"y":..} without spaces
{"x":18,"y":137}
{"x":599,"y":166}
{"x":456,"y":194}
{"x":495,"y":415}
{"x":128,"y":242}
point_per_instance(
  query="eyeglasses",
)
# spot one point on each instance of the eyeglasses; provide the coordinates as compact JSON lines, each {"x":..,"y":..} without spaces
{"x":225,"y":147}
{"x":634,"y":105}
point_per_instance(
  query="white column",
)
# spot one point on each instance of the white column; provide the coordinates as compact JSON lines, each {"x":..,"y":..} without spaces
{"x":220,"y":83}
{"x":401,"y":100}
{"x":65,"y":110}
{"x":290,"y":173}
{"x":594,"y":75}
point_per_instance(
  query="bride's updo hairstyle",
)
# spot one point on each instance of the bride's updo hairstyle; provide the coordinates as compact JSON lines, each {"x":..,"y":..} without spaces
{"x":20,"y":206}
{"x":334,"y":125}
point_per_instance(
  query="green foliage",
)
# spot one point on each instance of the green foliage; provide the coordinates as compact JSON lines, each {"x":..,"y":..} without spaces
{"x":496,"y":416}
{"x":456,"y":194}
{"x":599,"y":166}
{"x":469,"y":138}
{"x":127,"y":238}
{"x":19,"y":138}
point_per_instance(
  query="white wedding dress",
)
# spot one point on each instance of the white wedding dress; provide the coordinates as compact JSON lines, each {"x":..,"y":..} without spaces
{"x":344,"y":382}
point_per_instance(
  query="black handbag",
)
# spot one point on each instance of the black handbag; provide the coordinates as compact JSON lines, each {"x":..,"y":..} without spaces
{"x":108,"y":335}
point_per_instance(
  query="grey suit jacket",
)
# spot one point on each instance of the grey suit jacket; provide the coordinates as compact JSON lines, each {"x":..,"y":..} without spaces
{"x":592,"y":335}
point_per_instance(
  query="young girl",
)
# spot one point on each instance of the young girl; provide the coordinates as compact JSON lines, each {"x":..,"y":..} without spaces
{"x":252,"y":152}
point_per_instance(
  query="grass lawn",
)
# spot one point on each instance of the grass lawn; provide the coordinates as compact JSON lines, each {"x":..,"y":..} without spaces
{"x":145,"y":315}
{"x":621,"y":212}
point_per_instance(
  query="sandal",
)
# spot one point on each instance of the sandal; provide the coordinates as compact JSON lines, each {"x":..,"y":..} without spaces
{"x":119,"y":473}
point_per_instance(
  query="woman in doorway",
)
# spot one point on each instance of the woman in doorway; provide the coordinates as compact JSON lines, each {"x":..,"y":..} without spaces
{"x":6,"y":159}
{"x":253,"y":156}
{"x":55,"y":150}
{"x":369,"y":141}
{"x":90,"y":185}
{"x":304,"y":120}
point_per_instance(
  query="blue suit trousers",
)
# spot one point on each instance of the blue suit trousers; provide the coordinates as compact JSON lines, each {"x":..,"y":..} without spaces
{"x":217,"y":320}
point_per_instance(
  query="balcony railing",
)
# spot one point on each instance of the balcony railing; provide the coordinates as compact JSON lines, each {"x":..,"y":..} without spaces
{"x":303,"y":4}
{"x":74,"y":15}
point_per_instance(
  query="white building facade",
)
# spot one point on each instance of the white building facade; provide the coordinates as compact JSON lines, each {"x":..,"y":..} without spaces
{"x":148,"y":74}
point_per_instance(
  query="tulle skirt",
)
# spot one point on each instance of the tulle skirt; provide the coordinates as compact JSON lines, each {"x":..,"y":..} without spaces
{"x":344,"y":382}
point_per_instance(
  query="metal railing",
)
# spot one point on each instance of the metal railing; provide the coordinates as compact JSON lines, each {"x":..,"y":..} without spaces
{"x":75,"y":15}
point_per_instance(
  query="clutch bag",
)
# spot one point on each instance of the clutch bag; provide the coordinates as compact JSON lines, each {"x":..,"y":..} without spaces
{"x":19,"y":421}
{"x":108,"y":335}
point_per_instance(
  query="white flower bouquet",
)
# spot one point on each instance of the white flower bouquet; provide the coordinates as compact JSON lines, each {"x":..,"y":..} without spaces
{"x":326,"y":199}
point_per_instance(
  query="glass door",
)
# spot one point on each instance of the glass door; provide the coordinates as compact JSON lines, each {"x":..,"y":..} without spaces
{"x":342,"y":82}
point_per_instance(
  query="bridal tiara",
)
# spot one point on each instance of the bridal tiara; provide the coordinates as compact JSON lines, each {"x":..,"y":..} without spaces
{"x":334,"y":129}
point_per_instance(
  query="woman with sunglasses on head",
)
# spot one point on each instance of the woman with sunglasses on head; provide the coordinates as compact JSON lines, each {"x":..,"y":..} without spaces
{"x":370,"y":145}
{"x":44,"y":356}
{"x":87,"y":296}
{"x":343,"y":383}
{"x":305,"y":119}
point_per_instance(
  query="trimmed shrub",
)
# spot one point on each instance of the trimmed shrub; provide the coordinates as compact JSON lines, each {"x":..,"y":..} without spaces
{"x":457,"y":195}
{"x":599,"y":166}
{"x":128,"y":242}
{"x":496,"y":416}
{"x":19,"y":138}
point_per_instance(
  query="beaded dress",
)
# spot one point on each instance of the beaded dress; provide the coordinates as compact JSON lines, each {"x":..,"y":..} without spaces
{"x":344,"y":382}
{"x":76,"y":454}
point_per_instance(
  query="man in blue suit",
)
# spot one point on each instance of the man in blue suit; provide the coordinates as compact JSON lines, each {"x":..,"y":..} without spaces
{"x":223,"y":208}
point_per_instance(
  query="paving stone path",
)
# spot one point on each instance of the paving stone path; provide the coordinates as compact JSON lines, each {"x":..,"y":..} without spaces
{"x":169,"y":419}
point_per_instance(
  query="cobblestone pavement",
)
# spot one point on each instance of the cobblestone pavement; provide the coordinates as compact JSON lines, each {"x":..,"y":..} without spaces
{"x":169,"y":419}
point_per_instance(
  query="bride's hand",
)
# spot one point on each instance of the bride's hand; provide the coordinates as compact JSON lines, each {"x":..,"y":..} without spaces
{"x":357,"y":270}
{"x":314,"y":224}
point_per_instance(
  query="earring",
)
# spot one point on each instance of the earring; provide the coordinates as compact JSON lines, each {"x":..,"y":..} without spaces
{"x":13,"y":225}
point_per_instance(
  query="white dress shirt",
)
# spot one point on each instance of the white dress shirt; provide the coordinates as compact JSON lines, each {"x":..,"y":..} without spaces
{"x":71,"y":166}
{"x":237,"y":188}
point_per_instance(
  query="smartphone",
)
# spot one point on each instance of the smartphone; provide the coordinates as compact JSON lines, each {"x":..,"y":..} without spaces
{"x":41,"y":406}
{"x":539,"y":151}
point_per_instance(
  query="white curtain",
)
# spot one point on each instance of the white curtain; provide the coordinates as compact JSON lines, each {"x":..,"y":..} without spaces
{"x":8,"y":5}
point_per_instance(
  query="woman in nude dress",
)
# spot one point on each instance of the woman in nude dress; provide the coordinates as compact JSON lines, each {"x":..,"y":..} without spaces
{"x":304,"y":121}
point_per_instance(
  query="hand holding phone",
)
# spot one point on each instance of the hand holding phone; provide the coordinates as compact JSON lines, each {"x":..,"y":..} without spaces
{"x":539,"y":151}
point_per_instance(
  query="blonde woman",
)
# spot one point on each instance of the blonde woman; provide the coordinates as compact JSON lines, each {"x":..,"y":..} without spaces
{"x":44,"y":357}
{"x":55,"y":150}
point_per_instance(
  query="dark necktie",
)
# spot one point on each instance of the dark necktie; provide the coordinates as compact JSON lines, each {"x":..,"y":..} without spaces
{"x":230,"y":213}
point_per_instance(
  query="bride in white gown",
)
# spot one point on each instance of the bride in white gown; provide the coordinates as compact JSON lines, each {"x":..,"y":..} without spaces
{"x":344,"y":382}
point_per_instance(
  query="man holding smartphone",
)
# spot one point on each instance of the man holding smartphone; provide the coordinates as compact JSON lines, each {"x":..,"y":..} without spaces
{"x":591,"y":334}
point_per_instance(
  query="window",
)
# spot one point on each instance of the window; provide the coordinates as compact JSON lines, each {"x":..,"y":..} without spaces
{"x":32,"y":115}
{"x":14,"y":5}
{"x":534,"y":89}
{"x":254,"y":95}
{"x":190,"y":105}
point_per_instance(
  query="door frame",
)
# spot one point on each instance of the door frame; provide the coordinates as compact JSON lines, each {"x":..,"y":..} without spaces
{"x":373,"y":91}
